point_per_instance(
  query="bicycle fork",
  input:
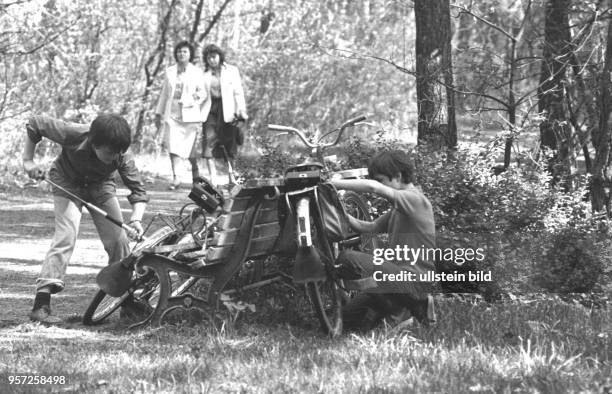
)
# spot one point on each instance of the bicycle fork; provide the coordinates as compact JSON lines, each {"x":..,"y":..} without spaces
{"x":308,"y":264}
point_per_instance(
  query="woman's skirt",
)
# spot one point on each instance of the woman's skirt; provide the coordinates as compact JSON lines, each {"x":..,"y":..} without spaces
{"x":181,"y":138}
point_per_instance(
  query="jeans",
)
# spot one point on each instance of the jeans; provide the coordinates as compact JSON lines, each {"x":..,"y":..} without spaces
{"x":67,"y":219}
{"x":368,"y":308}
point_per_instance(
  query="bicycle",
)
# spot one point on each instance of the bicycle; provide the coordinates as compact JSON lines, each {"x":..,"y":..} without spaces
{"x":316,"y":252}
{"x":144,"y":287}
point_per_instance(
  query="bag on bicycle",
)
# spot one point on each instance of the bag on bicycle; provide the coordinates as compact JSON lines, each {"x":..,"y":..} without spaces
{"x":333,"y":215}
{"x":205,"y":195}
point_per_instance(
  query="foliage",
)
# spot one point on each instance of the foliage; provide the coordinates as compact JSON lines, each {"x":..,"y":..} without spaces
{"x":573,"y":262}
{"x":270,"y":161}
{"x":307,"y":69}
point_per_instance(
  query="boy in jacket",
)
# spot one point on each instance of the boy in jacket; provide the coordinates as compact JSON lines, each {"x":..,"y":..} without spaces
{"x":86,"y":166}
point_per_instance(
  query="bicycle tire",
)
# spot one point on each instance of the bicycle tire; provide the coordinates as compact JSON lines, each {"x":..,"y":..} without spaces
{"x":325,"y":296}
{"x":357,"y":207}
{"x":102,"y":305}
{"x":328,"y":309}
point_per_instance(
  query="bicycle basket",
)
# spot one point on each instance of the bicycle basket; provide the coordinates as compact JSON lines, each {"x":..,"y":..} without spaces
{"x":333,"y":215}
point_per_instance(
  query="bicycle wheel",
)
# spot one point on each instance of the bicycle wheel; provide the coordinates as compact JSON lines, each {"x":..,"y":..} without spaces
{"x":326,"y":300}
{"x":357,"y":207}
{"x":325,"y":296}
{"x":104,"y":305}
{"x":101,"y":307}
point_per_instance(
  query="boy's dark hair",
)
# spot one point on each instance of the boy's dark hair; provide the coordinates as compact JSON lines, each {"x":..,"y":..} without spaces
{"x":110,"y":130}
{"x":212,"y":48}
{"x":184,"y":44}
{"x":391,"y":163}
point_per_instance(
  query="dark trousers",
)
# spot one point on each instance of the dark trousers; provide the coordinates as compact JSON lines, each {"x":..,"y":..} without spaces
{"x":368,"y":308}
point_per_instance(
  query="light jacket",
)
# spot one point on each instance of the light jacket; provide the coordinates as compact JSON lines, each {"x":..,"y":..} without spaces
{"x":232,"y":93}
{"x":192,"y":98}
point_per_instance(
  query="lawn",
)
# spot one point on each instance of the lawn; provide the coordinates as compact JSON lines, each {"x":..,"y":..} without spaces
{"x":546,"y":346}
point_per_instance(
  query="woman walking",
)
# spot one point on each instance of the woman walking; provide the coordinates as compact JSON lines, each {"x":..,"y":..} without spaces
{"x":179,"y":109}
{"x":224,"y":109}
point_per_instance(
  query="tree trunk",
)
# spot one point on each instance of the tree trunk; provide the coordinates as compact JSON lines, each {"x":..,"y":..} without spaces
{"x":434,"y":76}
{"x":197,"y":16}
{"x":600,"y":178}
{"x":555,"y":130}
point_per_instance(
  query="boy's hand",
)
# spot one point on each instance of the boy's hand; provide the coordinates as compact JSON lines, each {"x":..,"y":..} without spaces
{"x":33,"y":170}
{"x":137,"y":232}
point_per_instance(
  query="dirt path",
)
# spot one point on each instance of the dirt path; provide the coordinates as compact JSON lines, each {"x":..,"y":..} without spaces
{"x":26,"y":229}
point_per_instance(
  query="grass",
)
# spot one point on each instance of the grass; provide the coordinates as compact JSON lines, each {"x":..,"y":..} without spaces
{"x":548,"y":347}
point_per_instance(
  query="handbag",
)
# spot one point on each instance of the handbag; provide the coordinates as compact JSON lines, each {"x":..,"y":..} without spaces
{"x":239,"y":136}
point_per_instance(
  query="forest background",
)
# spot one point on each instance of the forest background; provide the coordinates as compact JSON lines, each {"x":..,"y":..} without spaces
{"x":509,"y":102}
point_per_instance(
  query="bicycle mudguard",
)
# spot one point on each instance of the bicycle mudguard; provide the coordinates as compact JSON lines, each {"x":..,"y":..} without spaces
{"x":308,"y":266}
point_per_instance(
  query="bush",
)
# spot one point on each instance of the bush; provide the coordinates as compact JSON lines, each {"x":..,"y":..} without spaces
{"x":572,"y":263}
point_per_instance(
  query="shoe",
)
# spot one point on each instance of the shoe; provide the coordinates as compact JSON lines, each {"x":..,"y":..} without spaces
{"x":400,"y":316}
{"x":174,"y":185}
{"x":401,"y":320}
{"x":43,"y":315}
{"x":134,"y":310}
{"x":425,"y":311}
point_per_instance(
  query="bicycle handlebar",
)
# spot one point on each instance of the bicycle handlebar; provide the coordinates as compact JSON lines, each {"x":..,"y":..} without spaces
{"x":353,"y":121}
{"x":318,"y":144}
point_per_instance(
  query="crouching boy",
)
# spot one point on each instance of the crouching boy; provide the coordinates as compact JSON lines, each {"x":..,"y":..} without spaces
{"x":410,"y":224}
{"x":85,"y":167}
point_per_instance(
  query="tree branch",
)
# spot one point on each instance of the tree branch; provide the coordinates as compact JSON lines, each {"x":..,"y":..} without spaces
{"x":483,"y":20}
{"x":196,"y":21}
{"x":160,"y":50}
{"x":213,"y":21}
